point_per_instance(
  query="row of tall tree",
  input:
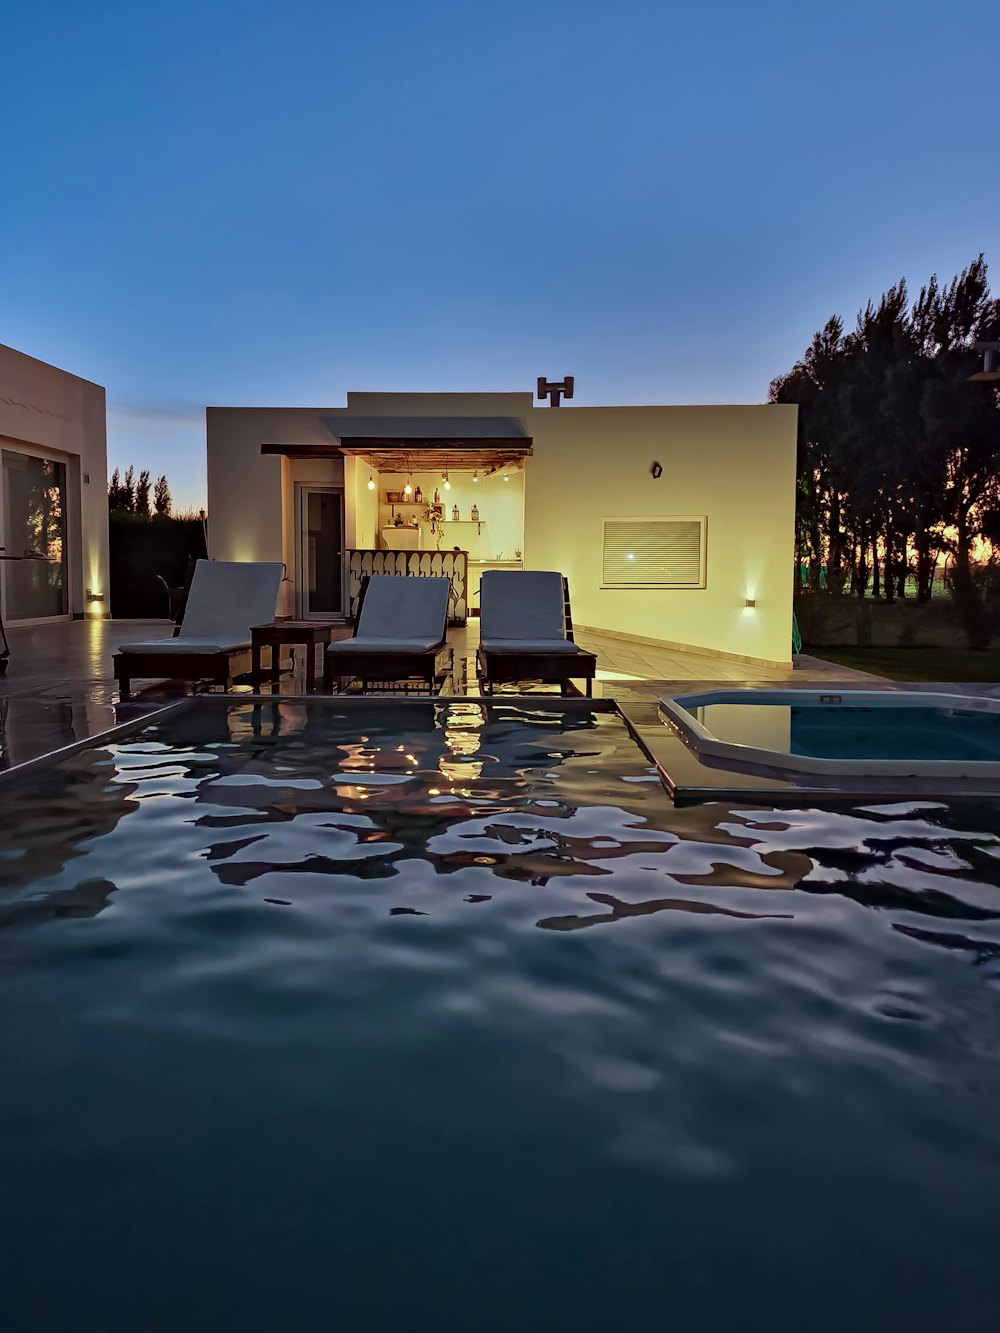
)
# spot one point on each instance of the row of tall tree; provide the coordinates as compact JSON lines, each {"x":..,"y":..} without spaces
{"x":130,"y":494}
{"x":899,"y":454}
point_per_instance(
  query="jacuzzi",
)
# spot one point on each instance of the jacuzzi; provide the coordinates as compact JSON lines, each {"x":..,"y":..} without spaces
{"x":862,"y":733}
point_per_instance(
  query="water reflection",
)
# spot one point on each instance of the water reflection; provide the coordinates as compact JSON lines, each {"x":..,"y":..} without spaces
{"x":620,"y":910}
{"x":299,"y":799}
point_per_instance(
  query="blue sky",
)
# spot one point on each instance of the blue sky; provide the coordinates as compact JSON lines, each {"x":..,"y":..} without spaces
{"x":241,"y":203}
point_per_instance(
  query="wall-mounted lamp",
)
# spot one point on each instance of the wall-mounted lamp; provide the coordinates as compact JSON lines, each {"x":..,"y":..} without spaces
{"x":750,"y":601}
{"x":656,"y":471}
{"x":94,"y":596}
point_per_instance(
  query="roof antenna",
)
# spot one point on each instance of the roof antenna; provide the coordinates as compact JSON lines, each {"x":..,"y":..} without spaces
{"x":555,"y":390}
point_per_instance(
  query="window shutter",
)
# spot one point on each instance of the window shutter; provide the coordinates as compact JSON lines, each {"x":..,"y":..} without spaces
{"x":654,"y":552}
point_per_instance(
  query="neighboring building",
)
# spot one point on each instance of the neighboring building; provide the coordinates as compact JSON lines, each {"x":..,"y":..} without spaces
{"x":698,"y":556}
{"x":53,"y":491}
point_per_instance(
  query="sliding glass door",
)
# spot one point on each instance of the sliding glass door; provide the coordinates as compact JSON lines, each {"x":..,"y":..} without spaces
{"x":34,"y":522}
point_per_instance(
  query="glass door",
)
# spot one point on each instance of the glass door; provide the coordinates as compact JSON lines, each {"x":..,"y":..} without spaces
{"x":34,"y":522}
{"x":320,"y":581}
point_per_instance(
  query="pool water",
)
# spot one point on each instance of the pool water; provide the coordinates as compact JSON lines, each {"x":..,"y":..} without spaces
{"x":843,"y":732}
{"x":431,"y":1017}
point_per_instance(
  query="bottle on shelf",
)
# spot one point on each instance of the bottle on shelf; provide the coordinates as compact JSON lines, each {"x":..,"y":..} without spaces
{"x":417,"y":495}
{"x":475,"y":513}
{"x":454,"y":514}
{"x":437,"y":496}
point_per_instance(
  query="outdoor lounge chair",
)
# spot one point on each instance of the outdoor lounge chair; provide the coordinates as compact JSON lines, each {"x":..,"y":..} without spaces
{"x":226,"y":598}
{"x":527,"y":632}
{"x":401,"y":634}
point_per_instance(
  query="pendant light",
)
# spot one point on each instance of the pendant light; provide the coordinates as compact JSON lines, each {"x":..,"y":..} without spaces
{"x":446,"y":480}
{"x":475,"y":475}
{"x":408,"y":488}
{"x":371,"y":476}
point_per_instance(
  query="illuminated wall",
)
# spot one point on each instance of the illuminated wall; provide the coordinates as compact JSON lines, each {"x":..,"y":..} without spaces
{"x":49,"y":413}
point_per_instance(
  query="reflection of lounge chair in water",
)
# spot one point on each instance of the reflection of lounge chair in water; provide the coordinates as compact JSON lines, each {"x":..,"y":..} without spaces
{"x":400,"y":636}
{"x":527,"y":632}
{"x":226,"y":598}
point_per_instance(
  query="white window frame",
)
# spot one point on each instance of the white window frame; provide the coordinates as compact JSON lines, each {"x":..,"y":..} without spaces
{"x":700,"y":519}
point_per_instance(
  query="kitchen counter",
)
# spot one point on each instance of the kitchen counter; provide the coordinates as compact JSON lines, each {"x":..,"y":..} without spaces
{"x":477,"y":568}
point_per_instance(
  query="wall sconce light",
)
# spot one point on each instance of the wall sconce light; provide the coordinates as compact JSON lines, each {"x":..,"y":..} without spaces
{"x":656,"y":471}
{"x":94,"y":596}
{"x":750,"y":601}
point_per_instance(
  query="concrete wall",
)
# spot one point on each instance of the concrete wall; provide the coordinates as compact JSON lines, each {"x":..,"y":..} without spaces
{"x":250,"y":495}
{"x":734,"y":464}
{"x":44,"y":410}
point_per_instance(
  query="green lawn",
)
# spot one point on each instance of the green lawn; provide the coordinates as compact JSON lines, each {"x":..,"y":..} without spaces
{"x":918,"y":663}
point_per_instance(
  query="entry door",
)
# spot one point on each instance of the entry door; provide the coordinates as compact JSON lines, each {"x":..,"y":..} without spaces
{"x":320,"y":581}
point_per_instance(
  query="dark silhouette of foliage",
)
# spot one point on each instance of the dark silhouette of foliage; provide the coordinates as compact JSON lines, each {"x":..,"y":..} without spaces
{"x":142,"y":494}
{"x":129,"y":495}
{"x":116,"y":493}
{"x":162,"y":501}
{"x":899,"y":454}
{"x":128,"y":490}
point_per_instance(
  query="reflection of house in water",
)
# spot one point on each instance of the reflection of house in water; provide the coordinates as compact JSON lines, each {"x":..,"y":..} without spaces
{"x":49,"y":817}
{"x":370,"y":789}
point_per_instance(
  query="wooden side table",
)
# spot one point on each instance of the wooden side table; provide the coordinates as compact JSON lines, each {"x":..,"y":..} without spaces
{"x":285,"y":633}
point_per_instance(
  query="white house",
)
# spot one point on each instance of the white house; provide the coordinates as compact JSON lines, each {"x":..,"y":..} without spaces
{"x":674,"y":525}
{"x":53,"y":492}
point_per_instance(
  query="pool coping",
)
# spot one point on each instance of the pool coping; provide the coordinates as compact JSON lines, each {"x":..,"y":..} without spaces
{"x":691,"y":779}
{"x":678,"y":711}
{"x":687,"y":778}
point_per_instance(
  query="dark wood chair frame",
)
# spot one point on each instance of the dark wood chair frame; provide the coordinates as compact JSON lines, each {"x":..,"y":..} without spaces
{"x":562,"y":669}
{"x":428,"y":671}
{"x":211,"y":668}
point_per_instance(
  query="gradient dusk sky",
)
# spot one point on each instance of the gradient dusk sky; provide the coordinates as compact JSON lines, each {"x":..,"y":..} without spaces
{"x":246,"y":203}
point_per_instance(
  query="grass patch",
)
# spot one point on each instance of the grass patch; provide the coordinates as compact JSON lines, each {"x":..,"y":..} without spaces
{"x":919,"y":663}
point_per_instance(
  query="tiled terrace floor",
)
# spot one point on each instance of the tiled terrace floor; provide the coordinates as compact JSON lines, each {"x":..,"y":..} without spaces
{"x":59,"y":686}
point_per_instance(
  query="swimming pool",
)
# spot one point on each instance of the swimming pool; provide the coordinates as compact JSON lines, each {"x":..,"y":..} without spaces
{"x":431,"y":1015}
{"x":856,"y":733}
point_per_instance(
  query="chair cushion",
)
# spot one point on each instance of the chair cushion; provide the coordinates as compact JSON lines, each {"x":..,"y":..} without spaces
{"x":522,"y":604}
{"x":557,"y":647}
{"x":228,"y":596}
{"x":186,"y":643}
{"x":400,"y":609}
{"x":387,"y":646}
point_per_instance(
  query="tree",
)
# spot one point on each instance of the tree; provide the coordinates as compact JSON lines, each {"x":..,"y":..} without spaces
{"x":128,"y":491}
{"x":142,"y":494}
{"x":898,"y":453}
{"x":116,"y":494}
{"x":162,"y":501}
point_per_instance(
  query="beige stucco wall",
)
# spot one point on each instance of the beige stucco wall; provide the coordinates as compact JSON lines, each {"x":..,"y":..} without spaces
{"x":734,"y":464}
{"x":250,"y":494}
{"x":49,"y":411}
